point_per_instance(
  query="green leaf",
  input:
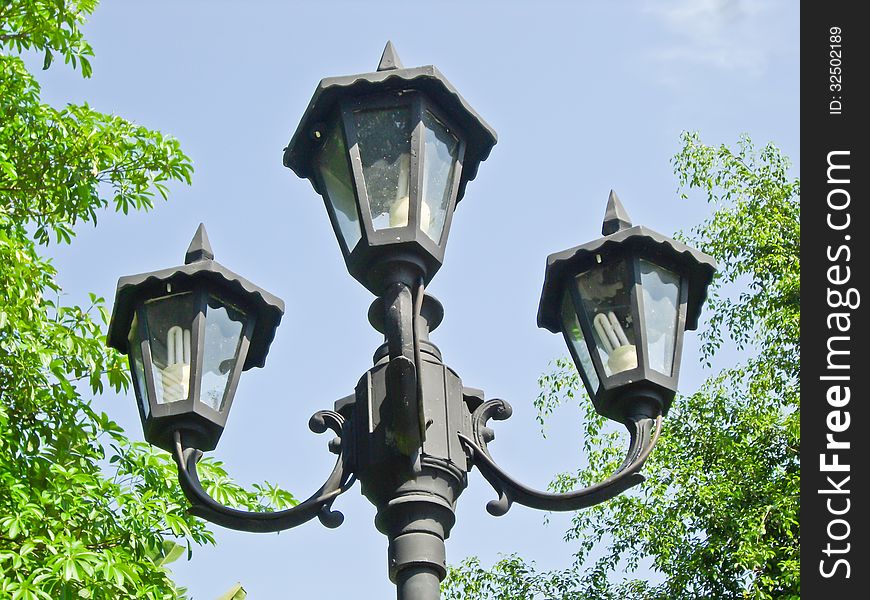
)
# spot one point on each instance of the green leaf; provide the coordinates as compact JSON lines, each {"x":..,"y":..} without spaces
{"x":237,"y":592}
{"x":171,"y":552}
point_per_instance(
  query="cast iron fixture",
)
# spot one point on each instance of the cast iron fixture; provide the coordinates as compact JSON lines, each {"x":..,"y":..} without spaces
{"x":391,"y":153}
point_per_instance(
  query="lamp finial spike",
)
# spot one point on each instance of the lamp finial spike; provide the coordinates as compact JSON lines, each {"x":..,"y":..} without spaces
{"x":200,"y":247}
{"x":389,"y":59}
{"x":615,"y":217}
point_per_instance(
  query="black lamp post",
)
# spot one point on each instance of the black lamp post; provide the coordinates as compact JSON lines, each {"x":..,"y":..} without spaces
{"x":391,"y":153}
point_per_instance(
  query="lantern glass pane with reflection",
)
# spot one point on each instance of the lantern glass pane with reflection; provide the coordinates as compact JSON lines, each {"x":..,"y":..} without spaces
{"x":384,"y":138}
{"x":661,"y":301}
{"x":224,"y":325}
{"x":577,"y":344}
{"x":137,"y":366}
{"x":605,"y":294}
{"x":440,"y":155}
{"x":169,"y":323}
{"x":334,"y":170}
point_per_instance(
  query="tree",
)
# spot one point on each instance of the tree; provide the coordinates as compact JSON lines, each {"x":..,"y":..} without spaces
{"x":84,"y":511}
{"x":718,"y":516}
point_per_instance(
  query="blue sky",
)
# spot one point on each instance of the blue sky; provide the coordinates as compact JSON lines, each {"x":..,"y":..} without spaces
{"x":585,"y":97}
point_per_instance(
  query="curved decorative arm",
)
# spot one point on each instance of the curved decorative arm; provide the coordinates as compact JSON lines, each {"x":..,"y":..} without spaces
{"x":318,"y":505}
{"x":509,"y":490}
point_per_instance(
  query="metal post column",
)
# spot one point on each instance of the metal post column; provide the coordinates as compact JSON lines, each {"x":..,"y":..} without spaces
{"x":409,"y":459}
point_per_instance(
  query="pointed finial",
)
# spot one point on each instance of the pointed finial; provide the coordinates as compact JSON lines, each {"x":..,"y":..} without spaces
{"x":200,"y":247}
{"x":615,"y":217}
{"x":389,"y":59}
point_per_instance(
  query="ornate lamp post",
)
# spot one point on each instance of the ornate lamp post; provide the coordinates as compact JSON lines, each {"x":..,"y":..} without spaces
{"x":391,"y":153}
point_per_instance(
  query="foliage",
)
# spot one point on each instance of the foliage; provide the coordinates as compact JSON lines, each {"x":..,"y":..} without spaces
{"x":84,"y":512}
{"x":510,"y":578}
{"x":718,"y":516}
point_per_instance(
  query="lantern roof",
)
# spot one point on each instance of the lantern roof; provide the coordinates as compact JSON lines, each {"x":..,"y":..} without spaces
{"x":390,"y":76}
{"x":623,"y":237}
{"x":199,"y":266}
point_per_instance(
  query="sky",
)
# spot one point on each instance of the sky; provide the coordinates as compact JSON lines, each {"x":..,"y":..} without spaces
{"x":585,"y":96}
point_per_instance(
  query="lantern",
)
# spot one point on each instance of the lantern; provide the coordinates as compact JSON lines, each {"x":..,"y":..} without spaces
{"x":623,"y":303}
{"x":189,"y":332}
{"x":391,"y":153}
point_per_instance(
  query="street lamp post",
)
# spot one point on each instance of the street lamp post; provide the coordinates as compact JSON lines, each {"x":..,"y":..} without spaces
{"x":391,"y":153}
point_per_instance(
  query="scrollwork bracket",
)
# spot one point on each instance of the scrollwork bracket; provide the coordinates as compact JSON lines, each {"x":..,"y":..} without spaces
{"x":319,"y":504}
{"x":643,"y":430}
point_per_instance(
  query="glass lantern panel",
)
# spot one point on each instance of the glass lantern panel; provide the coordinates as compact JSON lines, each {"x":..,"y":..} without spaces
{"x":606,"y":299}
{"x":661,"y":299}
{"x":579,"y":349}
{"x":439,"y":160}
{"x":335,"y":172}
{"x":137,"y":365}
{"x":224,"y":324}
{"x":384,"y":138}
{"x":170,"y":322}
